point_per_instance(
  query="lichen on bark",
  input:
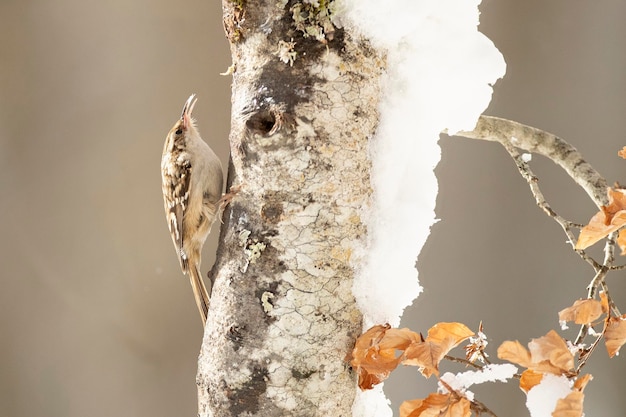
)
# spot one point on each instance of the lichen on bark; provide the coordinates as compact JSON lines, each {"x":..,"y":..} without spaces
{"x":282,"y":315}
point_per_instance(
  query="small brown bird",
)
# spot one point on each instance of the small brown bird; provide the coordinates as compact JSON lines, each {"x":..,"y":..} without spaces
{"x":192,"y":186}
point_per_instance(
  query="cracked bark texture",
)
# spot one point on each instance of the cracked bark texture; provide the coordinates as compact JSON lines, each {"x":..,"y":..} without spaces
{"x":546,"y":144}
{"x":282,"y":317}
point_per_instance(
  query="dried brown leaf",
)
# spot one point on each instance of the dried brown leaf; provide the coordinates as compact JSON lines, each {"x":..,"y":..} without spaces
{"x":374,"y":355}
{"x":570,"y":406}
{"x":548,"y":353}
{"x":515,"y":352}
{"x":529,"y":379}
{"x":443,"y":332}
{"x":427,"y":354}
{"x":582,"y":311}
{"x":604,"y":300}
{"x":582,"y":381}
{"x":611,"y":218}
{"x":407,"y":408}
{"x":436,"y":405}
{"x":551,"y":353}
{"x":615,"y":334}
{"x":622,"y":152}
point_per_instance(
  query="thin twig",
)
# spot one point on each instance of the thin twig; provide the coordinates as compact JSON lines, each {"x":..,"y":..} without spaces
{"x":480,"y":408}
{"x":513,"y":136}
{"x":588,"y":352}
{"x":463,"y":361}
{"x":598,"y":281}
{"x":533,"y":183}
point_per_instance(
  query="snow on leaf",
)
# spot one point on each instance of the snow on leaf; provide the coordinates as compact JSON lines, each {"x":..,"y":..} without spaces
{"x":611,"y":218}
{"x":570,"y":406}
{"x":615,"y":334}
{"x":529,"y":379}
{"x":475,"y":350}
{"x":551,"y":353}
{"x":436,"y":405}
{"x":542,"y":398}
{"x":374,"y":354}
{"x":461,"y":381}
{"x":582,"y":311}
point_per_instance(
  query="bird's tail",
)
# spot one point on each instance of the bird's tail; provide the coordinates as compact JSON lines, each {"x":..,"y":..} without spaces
{"x":200,"y":292}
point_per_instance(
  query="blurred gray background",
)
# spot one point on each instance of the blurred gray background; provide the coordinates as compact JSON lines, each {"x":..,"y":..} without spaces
{"x":95,"y":316}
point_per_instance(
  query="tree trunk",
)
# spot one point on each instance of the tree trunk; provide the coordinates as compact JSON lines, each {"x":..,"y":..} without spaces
{"x":282,"y":317}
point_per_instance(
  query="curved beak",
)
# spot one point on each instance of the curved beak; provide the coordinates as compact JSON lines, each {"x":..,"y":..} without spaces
{"x":187,"y":110}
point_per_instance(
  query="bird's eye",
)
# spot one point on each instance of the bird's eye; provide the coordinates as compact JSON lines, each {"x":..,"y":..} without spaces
{"x":179,"y":131}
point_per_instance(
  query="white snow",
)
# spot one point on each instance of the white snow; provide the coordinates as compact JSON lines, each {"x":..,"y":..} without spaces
{"x":371,"y":403}
{"x":490,"y":373}
{"x":541,"y":399}
{"x":440,"y":72}
{"x":463,"y":380}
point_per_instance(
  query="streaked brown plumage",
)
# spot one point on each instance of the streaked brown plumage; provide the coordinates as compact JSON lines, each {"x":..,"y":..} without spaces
{"x":192,"y":186}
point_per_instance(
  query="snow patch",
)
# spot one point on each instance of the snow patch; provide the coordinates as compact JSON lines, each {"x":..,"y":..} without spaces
{"x":541,"y":399}
{"x":463,"y":380}
{"x":439,"y":76}
{"x":440,"y":72}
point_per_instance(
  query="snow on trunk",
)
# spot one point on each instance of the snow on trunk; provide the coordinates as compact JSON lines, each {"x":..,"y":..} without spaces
{"x":440,"y":70}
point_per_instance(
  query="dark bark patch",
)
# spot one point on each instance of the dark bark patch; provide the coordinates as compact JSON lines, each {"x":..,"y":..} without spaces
{"x":272,"y":212}
{"x":247,"y":398}
{"x":235,"y":336}
{"x":302,"y":373}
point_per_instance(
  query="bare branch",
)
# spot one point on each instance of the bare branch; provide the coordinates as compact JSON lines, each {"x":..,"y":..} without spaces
{"x":546,"y":144}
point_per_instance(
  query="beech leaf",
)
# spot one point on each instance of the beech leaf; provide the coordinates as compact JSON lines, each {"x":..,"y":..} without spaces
{"x":605,"y":302}
{"x":442,"y":338}
{"x":553,"y":349}
{"x":515,"y":352}
{"x":582,"y":311}
{"x":441,"y":332}
{"x":374,"y":355}
{"x":529,"y":379}
{"x":570,"y":406}
{"x":615,"y":334}
{"x":611,"y":218}
{"x":548,"y":353}
{"x":582,"y":382}
{"x":426,"y":355}
{"x":436,"y":405}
